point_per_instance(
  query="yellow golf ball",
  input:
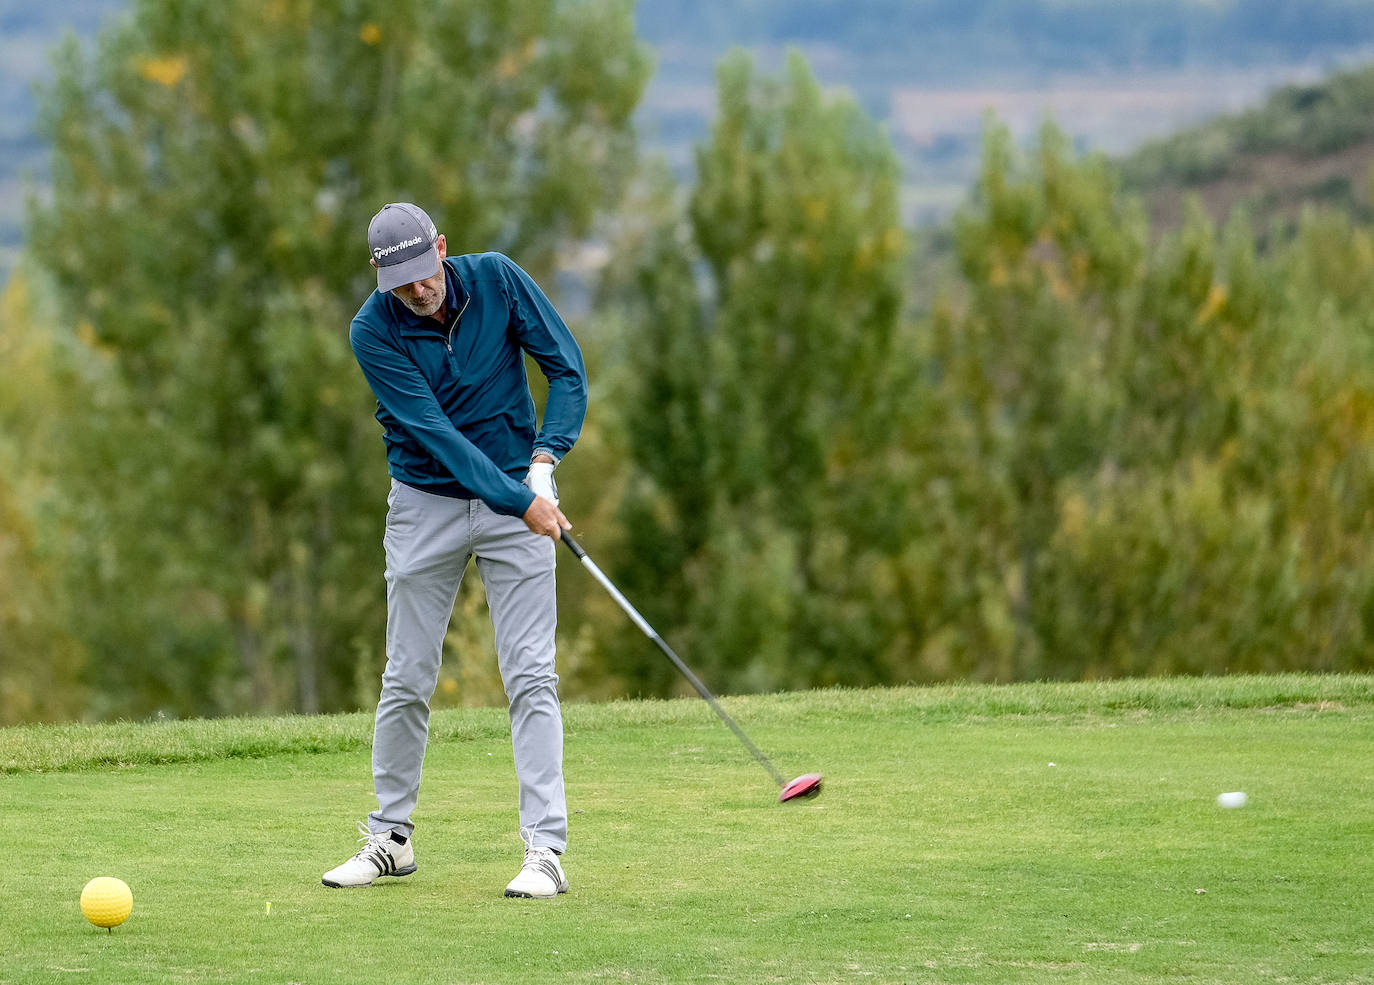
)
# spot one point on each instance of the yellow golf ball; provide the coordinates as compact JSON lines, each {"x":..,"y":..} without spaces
{"x":107,"y":902}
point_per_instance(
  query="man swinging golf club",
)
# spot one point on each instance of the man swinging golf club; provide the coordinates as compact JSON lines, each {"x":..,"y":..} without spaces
{"x":440,"y":343}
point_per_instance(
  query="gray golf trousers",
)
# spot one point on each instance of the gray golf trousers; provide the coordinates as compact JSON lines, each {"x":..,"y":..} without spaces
{"x":428,"y":542}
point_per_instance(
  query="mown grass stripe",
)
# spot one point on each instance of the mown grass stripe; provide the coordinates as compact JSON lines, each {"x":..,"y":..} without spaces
{"x":75,"y":747}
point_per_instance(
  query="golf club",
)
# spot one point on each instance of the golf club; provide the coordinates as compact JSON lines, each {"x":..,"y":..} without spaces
{"x":806,"y":785}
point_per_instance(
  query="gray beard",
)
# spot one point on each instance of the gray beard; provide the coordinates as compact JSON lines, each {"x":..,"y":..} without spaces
{"x":425,"y":310}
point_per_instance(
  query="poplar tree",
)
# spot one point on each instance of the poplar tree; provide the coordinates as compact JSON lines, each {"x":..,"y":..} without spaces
{"x":215,"y":164}
{"x":762,"y":385}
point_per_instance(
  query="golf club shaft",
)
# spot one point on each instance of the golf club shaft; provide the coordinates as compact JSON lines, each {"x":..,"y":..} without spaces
{"x":692,"y":678}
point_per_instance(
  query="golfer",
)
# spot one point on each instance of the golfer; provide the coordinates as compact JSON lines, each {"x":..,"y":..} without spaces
{"x":442,"y":342}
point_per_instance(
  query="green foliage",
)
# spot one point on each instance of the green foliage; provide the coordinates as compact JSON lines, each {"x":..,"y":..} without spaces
{"x":1104,"y":450}
{"x":1154,"y":448}
{"x":758,"y":382}
{"x":40,"y":658}
{"x":215,"y":166}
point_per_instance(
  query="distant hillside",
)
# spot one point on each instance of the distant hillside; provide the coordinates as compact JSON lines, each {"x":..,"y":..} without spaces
{"x":1304,"y":144}
{"x":943,"y":41}
{"x":1112,"y":72}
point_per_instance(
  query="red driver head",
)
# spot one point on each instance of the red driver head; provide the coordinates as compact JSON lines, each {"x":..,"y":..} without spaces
{"x":806,"y":785}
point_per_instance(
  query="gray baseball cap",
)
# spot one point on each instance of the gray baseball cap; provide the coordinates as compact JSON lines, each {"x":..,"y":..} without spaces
{"x":402,"y":240}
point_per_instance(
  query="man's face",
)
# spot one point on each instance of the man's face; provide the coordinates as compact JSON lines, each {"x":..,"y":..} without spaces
{"x":424,"y":297}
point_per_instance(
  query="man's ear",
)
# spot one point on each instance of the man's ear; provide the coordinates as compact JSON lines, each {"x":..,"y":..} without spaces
{"x":442,"y":246}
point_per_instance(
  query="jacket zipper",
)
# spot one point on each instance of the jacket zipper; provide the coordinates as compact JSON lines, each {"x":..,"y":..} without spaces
{"x":449,"y":342}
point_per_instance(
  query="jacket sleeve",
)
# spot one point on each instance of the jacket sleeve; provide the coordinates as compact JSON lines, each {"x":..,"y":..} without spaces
{"x":401,"y":388}
{"x":541,"y":332}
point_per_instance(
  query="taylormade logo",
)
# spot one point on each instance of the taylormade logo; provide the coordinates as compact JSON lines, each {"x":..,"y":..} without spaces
{"x":403,"y":245}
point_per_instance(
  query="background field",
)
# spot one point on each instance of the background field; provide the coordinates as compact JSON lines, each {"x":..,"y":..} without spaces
{"x":1028,"y":833}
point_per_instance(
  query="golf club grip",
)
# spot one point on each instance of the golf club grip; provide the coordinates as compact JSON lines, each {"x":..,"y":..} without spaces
{"x":573,"y":545}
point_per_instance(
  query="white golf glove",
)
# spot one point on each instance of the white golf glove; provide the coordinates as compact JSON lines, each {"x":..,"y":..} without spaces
{"x":540,"y":481}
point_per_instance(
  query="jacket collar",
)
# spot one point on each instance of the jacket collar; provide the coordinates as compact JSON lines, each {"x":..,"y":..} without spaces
{"x":411,"y":324}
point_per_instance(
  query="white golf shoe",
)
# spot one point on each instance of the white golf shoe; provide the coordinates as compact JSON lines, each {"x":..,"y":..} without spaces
{"x":379,"y":856}
{"x":541,"y":877}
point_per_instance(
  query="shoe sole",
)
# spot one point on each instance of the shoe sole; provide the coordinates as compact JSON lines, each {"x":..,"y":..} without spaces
{"x":363,"y":885}
{"x":515,"y":894}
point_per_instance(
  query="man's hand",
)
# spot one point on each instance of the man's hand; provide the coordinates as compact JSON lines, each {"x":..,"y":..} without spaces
{"x":546,"y":519}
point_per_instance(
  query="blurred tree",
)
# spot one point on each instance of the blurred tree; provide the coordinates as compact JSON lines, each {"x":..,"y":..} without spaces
{"x":215,"y":165}
{"x":1007,"y":362}
{"x":41,"y":660}
{"x":760,"y":386}
{"x":1152,"y":452}
{"x":1104,"y":451}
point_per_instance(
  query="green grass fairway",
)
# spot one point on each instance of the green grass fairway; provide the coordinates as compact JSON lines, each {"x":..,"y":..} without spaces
{"x":1026,"y":833}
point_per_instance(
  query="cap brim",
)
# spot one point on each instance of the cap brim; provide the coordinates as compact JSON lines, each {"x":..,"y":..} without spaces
{"x":421,"y":267}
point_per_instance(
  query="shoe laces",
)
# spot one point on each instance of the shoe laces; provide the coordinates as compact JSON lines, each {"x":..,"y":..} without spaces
{"x":370,"y":839}
{"x":527,"y":836}
{"x":532,"y":853}
{"x":540,"y":860}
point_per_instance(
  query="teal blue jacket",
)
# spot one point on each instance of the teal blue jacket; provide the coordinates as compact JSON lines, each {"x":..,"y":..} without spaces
{"x":453,"y":399}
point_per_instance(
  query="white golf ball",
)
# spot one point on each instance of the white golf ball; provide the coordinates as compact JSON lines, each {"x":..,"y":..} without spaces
{"x":1234,"y":799}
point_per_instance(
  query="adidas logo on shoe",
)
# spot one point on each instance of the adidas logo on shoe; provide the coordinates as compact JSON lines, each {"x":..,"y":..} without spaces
{"x":381,"y":855}
{"x":541,"y":877}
